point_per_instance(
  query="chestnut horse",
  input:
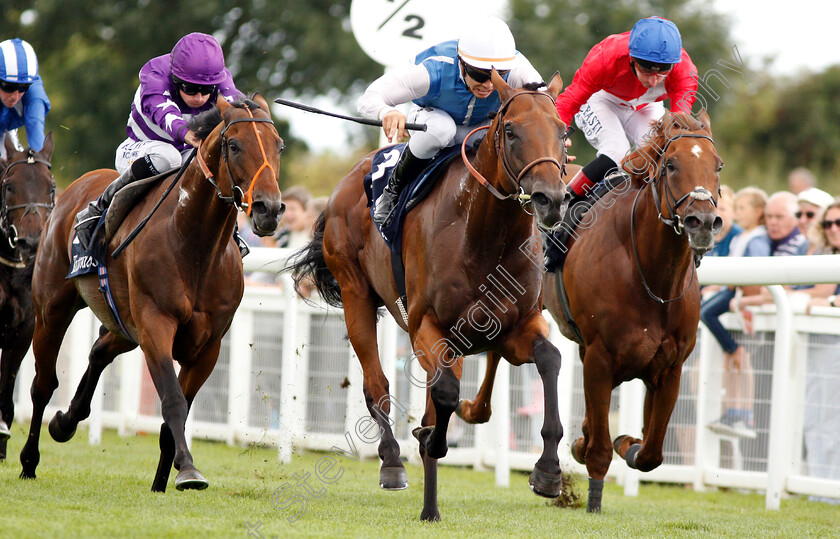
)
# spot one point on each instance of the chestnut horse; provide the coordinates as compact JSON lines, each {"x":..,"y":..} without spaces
{"x":632,"y":288}
{"x":27,"y":196}
{"x":176,"y":286}
{"x":459,"y":245}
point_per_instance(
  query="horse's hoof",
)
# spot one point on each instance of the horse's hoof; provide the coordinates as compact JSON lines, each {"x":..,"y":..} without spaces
{"x":422,"y":433}
{"x":596,"y":492}
{"x":574,"y":450}
{"x":430,"y":515}
{"x":4,"y":430}
{"x":190,"y":479}
{"x":58,"y":434}
{"x":545,"y":484}
{"x":393,"y":478}
{"x":619,"y":441}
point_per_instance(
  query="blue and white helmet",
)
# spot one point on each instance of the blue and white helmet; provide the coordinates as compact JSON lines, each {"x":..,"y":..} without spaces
{"x":18,"y":62}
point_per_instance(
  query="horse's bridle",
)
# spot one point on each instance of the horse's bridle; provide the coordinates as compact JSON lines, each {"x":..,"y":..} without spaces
{"x":498,"y":141}
{"x":674,"y":221}
{"x":6,"y":226}
{"x":698,"y":193}
{"x":242,"y":200}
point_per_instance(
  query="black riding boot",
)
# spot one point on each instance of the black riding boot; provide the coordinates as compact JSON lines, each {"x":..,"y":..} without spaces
{"x":407,"y":167}
{"x":87,"y":218}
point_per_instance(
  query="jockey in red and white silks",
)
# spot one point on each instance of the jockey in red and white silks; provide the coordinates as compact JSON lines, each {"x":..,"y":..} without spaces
{"x":617,"y":93}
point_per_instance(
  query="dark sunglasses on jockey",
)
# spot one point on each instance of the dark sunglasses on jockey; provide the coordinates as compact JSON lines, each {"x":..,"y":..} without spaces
{"x":828,"y":224}
{"x":649,"y":68}
{"x":808,"y":214}
{"x":480,"y":75}
{"x":12,"y":87}
{"x":190,"y":88}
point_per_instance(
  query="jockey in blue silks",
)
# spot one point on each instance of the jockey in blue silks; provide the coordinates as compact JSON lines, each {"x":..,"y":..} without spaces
{"x":452,"y":94}
{"x":24,"y":102}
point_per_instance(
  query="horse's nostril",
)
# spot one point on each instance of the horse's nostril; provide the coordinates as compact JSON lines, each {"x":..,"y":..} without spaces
{"x":692,"y":222}
{"x":717,"y":225}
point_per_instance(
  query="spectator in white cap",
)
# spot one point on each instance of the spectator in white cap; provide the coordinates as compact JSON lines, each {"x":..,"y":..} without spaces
{"x":812,"y":203}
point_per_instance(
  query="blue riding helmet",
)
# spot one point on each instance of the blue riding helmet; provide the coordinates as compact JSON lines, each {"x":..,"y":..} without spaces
{"x":656,"y":40}
{"x":18,"y":62}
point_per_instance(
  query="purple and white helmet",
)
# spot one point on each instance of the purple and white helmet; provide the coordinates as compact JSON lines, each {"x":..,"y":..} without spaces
{"x":198,"y":58}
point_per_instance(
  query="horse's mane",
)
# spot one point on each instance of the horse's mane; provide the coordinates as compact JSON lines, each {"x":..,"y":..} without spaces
{"x":671,"y":126}
{"x":203,"y":124}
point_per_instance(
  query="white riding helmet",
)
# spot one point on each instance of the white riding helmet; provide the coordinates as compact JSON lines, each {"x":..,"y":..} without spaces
{"x":488,"y":43}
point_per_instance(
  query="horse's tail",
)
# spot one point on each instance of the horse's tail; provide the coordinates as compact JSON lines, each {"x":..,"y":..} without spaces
{"x":309,"y":264}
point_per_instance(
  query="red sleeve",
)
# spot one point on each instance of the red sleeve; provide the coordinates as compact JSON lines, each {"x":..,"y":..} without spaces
{"x":681,"y":85}
{"x":588,"y":80}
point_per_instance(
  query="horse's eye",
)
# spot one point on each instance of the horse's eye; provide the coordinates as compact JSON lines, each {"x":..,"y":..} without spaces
{"x":720,"y":167}
{"x":509,"y":131}
{"x":234,"y":146}
{"x":669,"y":166}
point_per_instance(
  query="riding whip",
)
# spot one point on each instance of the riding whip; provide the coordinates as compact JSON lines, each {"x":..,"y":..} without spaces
{"x":365,"y":121}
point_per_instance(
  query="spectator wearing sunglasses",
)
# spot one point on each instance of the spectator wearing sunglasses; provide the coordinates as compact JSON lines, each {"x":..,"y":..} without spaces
{"x":617,"y":93}
{"x":451,"y":92}
{"x":812,"y":202}
{"x":173,"y":88}
{"x":23,"y":101}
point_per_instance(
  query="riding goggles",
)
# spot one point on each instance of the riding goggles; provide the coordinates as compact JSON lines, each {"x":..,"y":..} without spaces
{"x":481,"y":75}
{"x":12,"y":87}
{"x":190,"y":88}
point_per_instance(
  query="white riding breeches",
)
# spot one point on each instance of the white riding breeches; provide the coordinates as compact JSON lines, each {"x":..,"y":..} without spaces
{"x":162,"y":154}
{"x":611,"y":125}
{"x":441,"y":131}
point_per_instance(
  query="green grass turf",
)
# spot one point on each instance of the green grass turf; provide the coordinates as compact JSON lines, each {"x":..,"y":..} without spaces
{"x":103,"y":491}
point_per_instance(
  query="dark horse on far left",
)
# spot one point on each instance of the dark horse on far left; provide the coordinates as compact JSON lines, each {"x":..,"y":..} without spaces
{"x":175,"y":287}
{"x":27,"y":196}
{"x":473,"y":284}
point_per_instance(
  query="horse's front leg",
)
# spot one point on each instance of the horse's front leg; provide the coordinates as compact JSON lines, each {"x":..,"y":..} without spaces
{"x":443,"y":368}
{"x":10,"y":361}
{"x":659,"y":403}
{"x":157,"y":335}
{"x":104,"y":350}
{"x":546,"y":478}
{"x":597,"y":386}
{"x":360,"y":318}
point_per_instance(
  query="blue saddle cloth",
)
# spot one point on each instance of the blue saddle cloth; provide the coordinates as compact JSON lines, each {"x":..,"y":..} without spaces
{"x":382,"y":167}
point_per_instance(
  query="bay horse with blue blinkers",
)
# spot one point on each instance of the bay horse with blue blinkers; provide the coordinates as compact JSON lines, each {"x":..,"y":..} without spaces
{"x":176,"y":286}
{"x":27,"y":196}
{"x":473,"y":284}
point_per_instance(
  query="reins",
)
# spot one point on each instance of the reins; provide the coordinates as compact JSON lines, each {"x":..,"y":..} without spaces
{"x":499,"y":146}
{"x":674,"y":220}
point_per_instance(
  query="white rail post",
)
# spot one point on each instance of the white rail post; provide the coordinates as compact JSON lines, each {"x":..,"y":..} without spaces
{"x":239,"y":373}
{"x":632,"y":399}
{"x":501,"y":416}
{"x":289,"y":422}
{"x":779,"y":442}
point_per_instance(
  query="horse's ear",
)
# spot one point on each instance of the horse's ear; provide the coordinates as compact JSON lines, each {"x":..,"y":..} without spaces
{"x":555,"y":85}
{"x":258,"y":99}
{"x":223,"y":104}
{"x":46,"y":151}
{"x":707,"y":123}
{"x":500,"y":85}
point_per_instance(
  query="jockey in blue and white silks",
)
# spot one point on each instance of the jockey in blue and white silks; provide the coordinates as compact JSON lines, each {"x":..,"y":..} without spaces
{"x":452,"y":94}
{"x":23,"y":101}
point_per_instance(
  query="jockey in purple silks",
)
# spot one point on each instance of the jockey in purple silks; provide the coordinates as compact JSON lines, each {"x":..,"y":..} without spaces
{"x":173,"y":88}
